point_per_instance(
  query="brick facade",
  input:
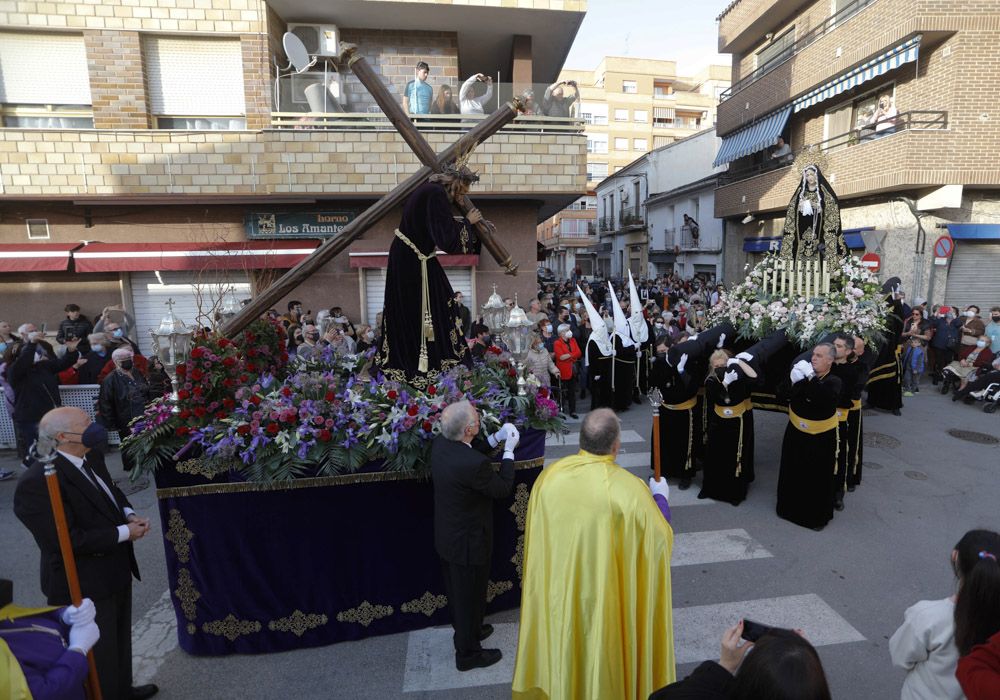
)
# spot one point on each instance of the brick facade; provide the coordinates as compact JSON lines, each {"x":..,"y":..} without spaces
{"x":117,"y":82}
{"x":218,"y":16}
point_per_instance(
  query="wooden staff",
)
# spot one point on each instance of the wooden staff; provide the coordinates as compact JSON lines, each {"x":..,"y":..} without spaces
{"x":66,"y":548}
{"x":418,"y":144}
{"x":368,"y":218}
{"x":655,"y":398}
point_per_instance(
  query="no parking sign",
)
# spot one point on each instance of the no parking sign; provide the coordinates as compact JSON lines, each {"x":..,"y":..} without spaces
{"x":943,"y":248}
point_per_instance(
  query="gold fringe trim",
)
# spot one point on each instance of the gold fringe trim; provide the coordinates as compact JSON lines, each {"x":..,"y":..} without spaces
{"x":313,"y":482}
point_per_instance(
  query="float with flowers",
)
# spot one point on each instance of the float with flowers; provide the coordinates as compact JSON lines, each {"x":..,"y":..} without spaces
{"x":294,"y":497}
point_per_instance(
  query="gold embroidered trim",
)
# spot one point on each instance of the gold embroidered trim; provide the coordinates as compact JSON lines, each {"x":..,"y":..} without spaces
{"x":187,"y":594}
{"x":178,"y":535}
{"x":231,"y":627}
{"x":365,"y":614}
{"x":191,"y":629}
{"x":198,"y":467}
{"x":313,"y":482}
{"x":518,"y":559}
{"x":496,"y":588}
{"x":298,"y":623}
{"x":520,"y":506}
{"x":428,"y":604}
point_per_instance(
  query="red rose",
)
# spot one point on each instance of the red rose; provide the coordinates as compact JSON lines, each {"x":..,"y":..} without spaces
{"x":512,"y":372}
{"x":197,"y":391}
{"x":199,"y":411}
{"x":504,"y":364}
{"x":427,"y":426}
{"x":224,"y":342}
{"x":182,"y":431}
{"x":328,"y":396}
{"x":249,"y":337}
{"x":255,"y":400}
{"x":244,"y":378}
{"x":543,"y":392}
{"x":229,"y":404}
{"x":284,"y":356}
{"x":432,"y":390}
{"x":185,"y":414}
{"x":221,"y":415}
{"x":229,"y":361}
{"x":183,"y":395}
{"x":197,"y":352}
{"x":228,"y":383}
{"x":286,"y":391}
{"x":494,"y":349}
{"x":251,"y":352}
{"x":181,"y":370}
{"x":272,"y":428}
{"x":324,"y":435}
{"x":391,"y":395}
{"x":243,"y":429}
{"x":197,"y":375}
{"x":412,"y":410}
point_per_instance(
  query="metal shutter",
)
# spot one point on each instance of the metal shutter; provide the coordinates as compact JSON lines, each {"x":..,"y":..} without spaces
{"x":666,"y":113}
{"x":194,"y":77}
{"x":973,"y":276}
{"x":149,"y":296}
{"x":460,"y":278}
{"x":43,"y":69}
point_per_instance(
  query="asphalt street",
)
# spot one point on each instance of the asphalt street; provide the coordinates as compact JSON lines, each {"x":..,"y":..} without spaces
{"x":846,"y":586}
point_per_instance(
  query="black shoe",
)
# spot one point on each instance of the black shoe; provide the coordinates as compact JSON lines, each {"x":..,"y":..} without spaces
{"x":485,"y":631}
{"x":573,"y":416}
{"x":478,"y":659}
{"x":141,"y":692}
{"x":583,"y":394}
{"x":851,"y":487}
{"x":818,"y":528}
{"x":935,"y":381}
{"x":896,"y":412}
{"x":968,"y":400}
{"x":916,"y":390}
{"x":838,"y":503}
{"x":956,"y":396}
{"x":684,"y":485}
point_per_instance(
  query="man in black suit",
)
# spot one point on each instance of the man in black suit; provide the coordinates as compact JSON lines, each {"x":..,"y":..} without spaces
{"x":102,"y":527}
{"x":464,"y":488}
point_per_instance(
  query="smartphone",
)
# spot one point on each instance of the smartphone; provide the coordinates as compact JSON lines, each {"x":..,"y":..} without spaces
{"x":752,"y":631}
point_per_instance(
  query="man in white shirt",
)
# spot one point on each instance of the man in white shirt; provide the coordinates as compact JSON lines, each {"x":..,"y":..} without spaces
{"x":469,"y":103}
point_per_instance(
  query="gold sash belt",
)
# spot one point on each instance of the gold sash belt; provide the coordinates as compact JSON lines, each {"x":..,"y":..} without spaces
{"x":812,"y":427}
{"x":427,"y":321}
{"x":687,"y":405}
{"x":733,"y":411}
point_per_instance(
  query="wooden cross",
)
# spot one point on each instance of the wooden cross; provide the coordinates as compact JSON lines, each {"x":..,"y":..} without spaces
{"x":432,"y":163}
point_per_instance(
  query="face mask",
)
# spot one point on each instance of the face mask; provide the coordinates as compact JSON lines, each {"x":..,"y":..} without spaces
{"x":126,"y":365}
{"x":981,"y":344}
{"x":370,"y":335}
{"x":3,"y":347}
{"x":970,"y":314}
{"x":99,"y":349}
{"x":313,"y":337}
{"x":659,"y":325}
{"x":548,"y":329}
{"x":94,"y":436}
{"x":118,"y":333}
{"x":996,"y":318}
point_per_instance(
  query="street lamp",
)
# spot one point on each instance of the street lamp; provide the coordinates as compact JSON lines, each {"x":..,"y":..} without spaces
{"x":517,"y":336}
{"x":495,"y":313}
{"x":171,"y":343}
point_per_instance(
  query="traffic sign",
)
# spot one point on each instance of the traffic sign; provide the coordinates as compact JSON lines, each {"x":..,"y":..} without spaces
{"x":872,"y":261}
{"x":944,"y":247}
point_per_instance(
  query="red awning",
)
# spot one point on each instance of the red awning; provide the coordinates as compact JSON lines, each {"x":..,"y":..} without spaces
{"x":381,"y":259}
{"x":149,"y":257}
{"x":35,"y":257}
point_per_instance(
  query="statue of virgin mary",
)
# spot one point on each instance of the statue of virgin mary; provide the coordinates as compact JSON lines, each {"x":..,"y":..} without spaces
{"x":812,"y":223}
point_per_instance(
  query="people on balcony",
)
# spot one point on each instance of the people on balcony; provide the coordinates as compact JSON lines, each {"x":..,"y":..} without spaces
{"x":884,"y":117}
{"x":555,"y":102}
{"x":781,"y":155}
{"x":417,"y":95}
{"x":471,"y":104}
{"x":444,"y":104}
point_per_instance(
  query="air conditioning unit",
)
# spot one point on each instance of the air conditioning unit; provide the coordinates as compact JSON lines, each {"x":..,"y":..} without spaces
{"x":319,"y":39}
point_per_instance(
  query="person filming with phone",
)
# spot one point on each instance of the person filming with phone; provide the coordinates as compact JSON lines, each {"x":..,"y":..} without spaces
{"x":782,"y":665}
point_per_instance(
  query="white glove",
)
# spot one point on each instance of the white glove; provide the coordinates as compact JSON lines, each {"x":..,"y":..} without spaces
{"x":659,"y":487}
{"x":73,"y":615}
{"x":680,"y":365}
{"x":84,"y":636}
{"x":722,"y":340}
{"x":805,"y":367}
{"x":732,"y":361}
{"x":745,"y":356}
{"x":729,"y":377}
{"x":693,"y":337}
{"x":796,"y":375}
{"x":499,"y":436}
{"x":512,"y":439}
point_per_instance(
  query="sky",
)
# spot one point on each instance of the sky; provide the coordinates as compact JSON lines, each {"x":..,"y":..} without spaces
{"x":676,"y":30}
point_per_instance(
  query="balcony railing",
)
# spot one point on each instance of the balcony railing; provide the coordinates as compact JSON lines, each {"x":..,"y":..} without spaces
{"x":907,"y":121}
{"x":798,"y":46}
{"x":606,"y":224}
{"x":377,"y":121}
{"x":632,"y":218}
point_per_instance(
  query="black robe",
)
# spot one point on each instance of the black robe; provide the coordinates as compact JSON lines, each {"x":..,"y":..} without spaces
{"x":728,"y":466}
{"x":848,"y":373}
{"x":646,"y":352}
{"x":599,"y":376}
{"x":808,"y":461}
{"x":885,"y":384}
{"x":624,"y":375}
{"x":680,"y":429}
{"x":855,"y":422}
{"x":429,"y":224}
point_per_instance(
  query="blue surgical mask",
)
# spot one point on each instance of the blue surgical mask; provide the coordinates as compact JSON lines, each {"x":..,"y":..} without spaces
{"x":118,"y":332}
{"x":95,"y":435}
{"x":3,"y":347}
{"x":98,"y":348}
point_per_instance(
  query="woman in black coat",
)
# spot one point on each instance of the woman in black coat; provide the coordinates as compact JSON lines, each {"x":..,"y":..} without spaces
{"x":123,"y":397}
{"x":34,"y":375}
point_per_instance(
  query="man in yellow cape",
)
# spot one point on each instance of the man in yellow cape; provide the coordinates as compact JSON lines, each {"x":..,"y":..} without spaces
{"x":596,"y":606}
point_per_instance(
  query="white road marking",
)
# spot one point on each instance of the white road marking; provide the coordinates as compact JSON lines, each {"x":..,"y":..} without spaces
{"x":430,"y":660}
{"x":153,"y":637}
{"x":715,"y":546}
{"x":574,"y":438}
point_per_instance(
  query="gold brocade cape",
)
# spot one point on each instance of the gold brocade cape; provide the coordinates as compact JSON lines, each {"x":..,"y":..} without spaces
{"x":595,"y":604}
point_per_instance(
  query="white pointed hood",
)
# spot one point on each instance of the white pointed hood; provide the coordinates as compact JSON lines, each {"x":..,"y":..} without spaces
{"x":621,"y":323}
{"x":636,"y":322}
{"x":598,"y":331}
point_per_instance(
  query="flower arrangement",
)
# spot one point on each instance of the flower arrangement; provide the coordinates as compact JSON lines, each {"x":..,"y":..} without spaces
{"x":283,"y":421}
{"x":855,"y":304}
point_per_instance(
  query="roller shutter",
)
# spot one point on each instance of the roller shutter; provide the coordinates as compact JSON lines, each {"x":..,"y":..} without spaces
{"x":973,"y":276}
{"x":460,"y":278}
{"x":43,"y":69}
{"x":194,"y":295}
{"x":194,"y":77}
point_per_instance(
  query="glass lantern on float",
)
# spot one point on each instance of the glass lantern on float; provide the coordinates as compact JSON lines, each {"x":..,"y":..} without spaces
{"x":171,"y":343}
{"x":495,"y":313}
{"x":517,"y":336}
{"x":230,"y":307}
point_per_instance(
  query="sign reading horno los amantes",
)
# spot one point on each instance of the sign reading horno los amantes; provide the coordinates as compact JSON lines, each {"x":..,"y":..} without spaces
{"x":297,"y":224}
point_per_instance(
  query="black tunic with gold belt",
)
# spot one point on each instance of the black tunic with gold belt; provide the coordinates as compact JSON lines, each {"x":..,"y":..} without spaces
{"x":428,"y":224}
{"x":728,"y":466}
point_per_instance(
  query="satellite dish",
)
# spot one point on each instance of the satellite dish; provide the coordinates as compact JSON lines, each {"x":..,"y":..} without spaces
{"x":296,"y":52}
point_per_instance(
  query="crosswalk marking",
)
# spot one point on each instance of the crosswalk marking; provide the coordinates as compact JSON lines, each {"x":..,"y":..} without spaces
{"x":573,"y":438}
{"x":715,"y":546}
{"x":698,"y":629}
{"x":430,"y":660}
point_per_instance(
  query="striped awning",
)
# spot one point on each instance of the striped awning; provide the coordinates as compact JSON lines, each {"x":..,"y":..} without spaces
{"x":663,"y":113}
{"x":907,"y":52}
{"x":753,"y":137}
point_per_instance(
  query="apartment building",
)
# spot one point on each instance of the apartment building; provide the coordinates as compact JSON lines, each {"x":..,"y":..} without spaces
{"x":631,"y":106}
{"x":817,"y":73}
{"x":177,"y":153}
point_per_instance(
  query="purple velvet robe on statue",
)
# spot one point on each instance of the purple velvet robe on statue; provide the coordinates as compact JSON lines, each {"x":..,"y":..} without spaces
{"x":428,"y":222}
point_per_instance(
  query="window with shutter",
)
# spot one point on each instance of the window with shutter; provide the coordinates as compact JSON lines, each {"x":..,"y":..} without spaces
{"x":44,"y":83}
{"x":195,"y":83}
